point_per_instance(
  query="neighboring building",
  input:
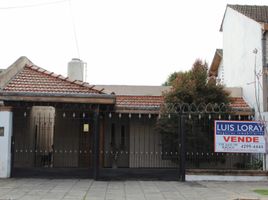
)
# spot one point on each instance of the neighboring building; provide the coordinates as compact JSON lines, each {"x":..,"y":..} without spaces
{"x":244,"y":60}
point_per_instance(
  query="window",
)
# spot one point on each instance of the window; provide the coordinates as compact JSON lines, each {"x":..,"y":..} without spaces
{"x":1,"y":131}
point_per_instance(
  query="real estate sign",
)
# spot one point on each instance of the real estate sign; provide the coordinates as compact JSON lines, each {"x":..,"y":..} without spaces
{"x":239,"y":136}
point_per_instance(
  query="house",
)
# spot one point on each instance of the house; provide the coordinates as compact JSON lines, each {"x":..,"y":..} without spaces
{"x":53,"y":125}
{"x":45,"y":113}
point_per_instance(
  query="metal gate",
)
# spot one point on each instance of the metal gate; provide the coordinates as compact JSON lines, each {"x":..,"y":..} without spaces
{"x":132,"y":148}
{"x":165,"y":146}
{"x":52,"y":143}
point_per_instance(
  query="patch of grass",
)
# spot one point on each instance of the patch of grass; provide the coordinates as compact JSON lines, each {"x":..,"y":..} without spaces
{"x":261,"y":191}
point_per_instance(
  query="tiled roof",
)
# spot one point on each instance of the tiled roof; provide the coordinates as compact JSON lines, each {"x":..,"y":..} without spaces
{"x":154,"y":103}
{"x":139,"y":102}
{"x":238,"y":103}
{"x":257,"y":13}
{"x":27,"y":78}
{"x":33,"y":79}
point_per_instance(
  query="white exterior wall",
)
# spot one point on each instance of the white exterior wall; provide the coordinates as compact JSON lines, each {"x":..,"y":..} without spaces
{"x":5,"y":144}
{"x":221,"y":73}
{"x":241,"y":36}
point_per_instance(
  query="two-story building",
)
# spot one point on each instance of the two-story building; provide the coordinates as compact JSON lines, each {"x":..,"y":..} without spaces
{"x":243,"y":60}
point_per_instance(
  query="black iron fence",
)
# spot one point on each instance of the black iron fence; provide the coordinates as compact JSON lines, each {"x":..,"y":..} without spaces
{"x":180,"y":137}
{"x":198,"y":133}
{"x":200,"y":154}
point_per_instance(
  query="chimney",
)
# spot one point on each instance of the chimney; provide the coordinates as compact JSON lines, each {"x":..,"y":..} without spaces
{"x":77,"y":70}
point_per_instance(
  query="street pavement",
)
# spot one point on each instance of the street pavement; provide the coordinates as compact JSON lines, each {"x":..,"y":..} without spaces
{"x":87,"y":189}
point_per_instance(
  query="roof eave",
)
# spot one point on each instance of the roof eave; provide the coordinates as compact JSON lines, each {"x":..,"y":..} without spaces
{"x":221,"y":29}
{"x":58,"y":97}
{"x":242,"y":111}
{"x":137,"y":110}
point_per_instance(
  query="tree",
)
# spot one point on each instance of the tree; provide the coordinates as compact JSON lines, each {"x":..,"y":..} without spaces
{"x":193,"y":87}
{"x":190,"y":87}
{"x":170,"y":79}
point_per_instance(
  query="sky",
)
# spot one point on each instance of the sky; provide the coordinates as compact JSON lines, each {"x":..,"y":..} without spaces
{"x":123,"y":42}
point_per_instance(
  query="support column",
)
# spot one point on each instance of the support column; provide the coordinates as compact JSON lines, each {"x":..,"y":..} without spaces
{"x":182,"y":146}
{"x":5,"y":141}
{"x":96,"y":146}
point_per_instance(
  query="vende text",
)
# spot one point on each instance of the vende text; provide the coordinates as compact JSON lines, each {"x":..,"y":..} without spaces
{"x":240,"y":139}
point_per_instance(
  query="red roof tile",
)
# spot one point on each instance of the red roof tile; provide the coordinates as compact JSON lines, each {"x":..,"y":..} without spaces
{"x":33,"y":79}
{"x":139,"y":102}
{"x":238,"y":103}
{"x":154,"y":102}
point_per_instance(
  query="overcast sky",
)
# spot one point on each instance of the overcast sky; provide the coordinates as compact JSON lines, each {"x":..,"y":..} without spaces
{"x":134,"y":42}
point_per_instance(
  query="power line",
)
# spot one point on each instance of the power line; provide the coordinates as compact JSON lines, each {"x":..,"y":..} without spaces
{"x":50,"y":3}
{"x":74,"y":30}
{"x":32,"y":5}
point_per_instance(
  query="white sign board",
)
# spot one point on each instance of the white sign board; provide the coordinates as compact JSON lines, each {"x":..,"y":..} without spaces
{"x":239,"y":136}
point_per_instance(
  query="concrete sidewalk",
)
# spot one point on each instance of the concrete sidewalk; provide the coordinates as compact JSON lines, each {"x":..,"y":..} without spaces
{"x":75,"y":189}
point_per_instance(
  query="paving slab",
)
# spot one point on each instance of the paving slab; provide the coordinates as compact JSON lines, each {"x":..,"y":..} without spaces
{"x":88,"y":189}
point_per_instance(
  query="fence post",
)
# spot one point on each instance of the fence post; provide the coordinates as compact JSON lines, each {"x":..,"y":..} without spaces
{"x":96,"y":144}
{"x":182,"y":146}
